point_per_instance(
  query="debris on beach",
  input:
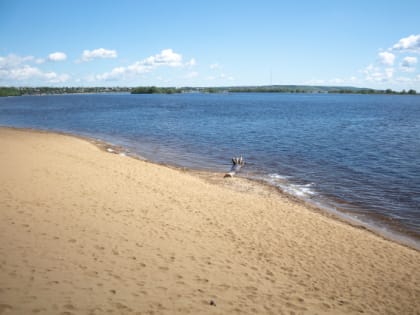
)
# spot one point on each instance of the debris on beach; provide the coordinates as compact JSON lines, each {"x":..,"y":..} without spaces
{"x":238,"y":162}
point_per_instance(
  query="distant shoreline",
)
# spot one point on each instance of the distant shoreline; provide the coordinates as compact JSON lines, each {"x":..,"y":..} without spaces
{"x":21,"y":91}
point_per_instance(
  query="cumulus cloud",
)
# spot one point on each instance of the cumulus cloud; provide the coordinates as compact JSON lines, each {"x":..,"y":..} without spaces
{"x":410,"y":43}
{"x":191,"y":63}
{"x":114,"y":74}
{"x":166,"y":58}
{"x":215,"y":66}
{"x":385,"y":70}
{"x":53,"y":77}
{"x":403,"y":80}
{"x":409,"y":61}
{"x":12,"y":61}
{"x":57,"y":56}
{"x":386,"y":58}
{"x":377,"y":74}
{"x":16,"y":68}
{"x":100,"y":53}
{"x":389,"y":72}
{"x":27,"y":72}
{"x":192,"y":74}
{"x":23,"y":73}
{"x":408,"y":64}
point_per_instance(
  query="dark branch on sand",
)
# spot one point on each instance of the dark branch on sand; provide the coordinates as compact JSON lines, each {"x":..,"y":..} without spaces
{"x":238,"y":162}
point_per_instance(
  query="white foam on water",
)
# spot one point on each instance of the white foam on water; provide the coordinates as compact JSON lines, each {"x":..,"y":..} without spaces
{"x":282,"y":182}
{"x":275,"y":176}
{"x":302,"y":191}
{"x":306,"y":192}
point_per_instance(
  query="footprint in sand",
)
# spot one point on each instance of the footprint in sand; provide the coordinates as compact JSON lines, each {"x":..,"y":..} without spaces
{"x":121,"y":306}
{"x":69,"y":307}
{"x":4,"y":308}
{"x":38,"y":310}
{"x":201,"y":280}
{"x":224,"y":286}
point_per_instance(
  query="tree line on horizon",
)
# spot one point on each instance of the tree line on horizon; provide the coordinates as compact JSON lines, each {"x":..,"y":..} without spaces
{"x":19,"y":91}
{"x":45,"y":90}
{"x":266,"y":89}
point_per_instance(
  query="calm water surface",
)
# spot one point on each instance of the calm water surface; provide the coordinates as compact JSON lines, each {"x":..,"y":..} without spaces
{"x":359,"y":154}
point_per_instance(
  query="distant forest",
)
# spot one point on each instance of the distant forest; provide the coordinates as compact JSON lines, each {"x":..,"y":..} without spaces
{"x":18,"y":91}
{"x":266,"y":89}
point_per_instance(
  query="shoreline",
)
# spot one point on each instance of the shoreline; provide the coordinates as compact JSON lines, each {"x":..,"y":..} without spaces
{"x":87,"y":232}
{"x":340,"y":215}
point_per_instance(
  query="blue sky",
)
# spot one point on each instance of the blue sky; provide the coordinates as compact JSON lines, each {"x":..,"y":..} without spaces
{"x":210,"y":43}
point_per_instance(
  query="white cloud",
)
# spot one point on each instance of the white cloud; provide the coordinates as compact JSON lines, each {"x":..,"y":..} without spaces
{"x":215,"y":66}
{"x":26,"y":72}
{"x":336,"y":81}
{"x":191,"y":63}
{"x":389,"y":72}
{"x":100,"y":53}
{"x":16,"y":68}
{"x":315,"y":82}
{"x":53,"y":77}
{"x":57,"y":56}
{"x":221,"y":76}
{"x":383,"y":71}
{"x":12,"y":61}
{"x":408,"y":64}
{"x":403,"y":80}
{"x":377,"y":74}
{"x":226,"y":77}
{"x":409,"y":61}
{"x":192,"y":74}
{"x":410,"y":43}
{"x":115,"y":74}
{"x":166,"y":58}
{"x":386,"y":58}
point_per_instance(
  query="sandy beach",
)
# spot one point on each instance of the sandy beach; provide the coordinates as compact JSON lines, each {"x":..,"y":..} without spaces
{"x":86,"y":231}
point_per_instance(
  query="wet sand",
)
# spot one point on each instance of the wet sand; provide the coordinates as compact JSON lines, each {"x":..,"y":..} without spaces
{"x":87,"y":231}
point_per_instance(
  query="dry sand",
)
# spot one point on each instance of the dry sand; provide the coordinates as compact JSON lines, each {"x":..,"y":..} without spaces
{"x":85,"y":231}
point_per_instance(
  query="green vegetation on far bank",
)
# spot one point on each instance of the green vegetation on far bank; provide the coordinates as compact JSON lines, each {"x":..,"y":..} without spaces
{"x":155,"y":90}
{"x":18,"y":91}
{"x":45,"y":90}
{"x":9,"y":91}
{"x":266,"y":89}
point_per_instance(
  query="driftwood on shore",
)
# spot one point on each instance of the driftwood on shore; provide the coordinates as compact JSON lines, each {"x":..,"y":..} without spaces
{"x":238,"y":162}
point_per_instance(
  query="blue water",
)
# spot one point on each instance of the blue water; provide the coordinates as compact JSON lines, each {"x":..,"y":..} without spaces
{"x":359,"y":154}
